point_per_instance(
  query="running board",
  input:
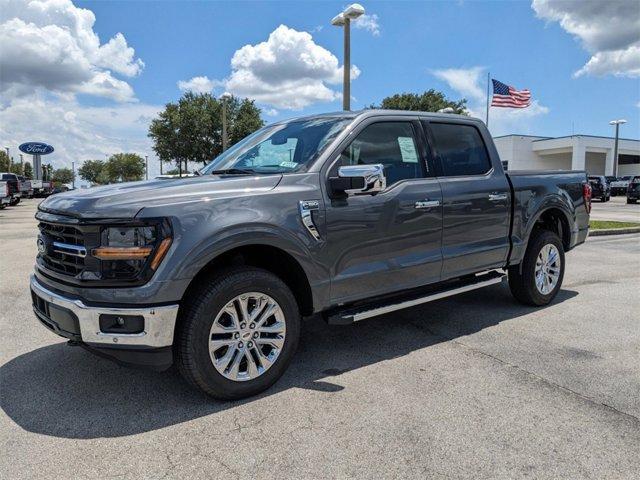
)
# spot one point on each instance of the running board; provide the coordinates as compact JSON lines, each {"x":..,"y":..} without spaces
{"x":346,"y":317}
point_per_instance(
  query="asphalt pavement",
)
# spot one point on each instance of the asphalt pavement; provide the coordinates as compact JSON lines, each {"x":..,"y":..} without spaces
{"x":615,"y":209}
{"x":476,"y":386}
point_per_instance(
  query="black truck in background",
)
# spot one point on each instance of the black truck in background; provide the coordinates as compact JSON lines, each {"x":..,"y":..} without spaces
{"x":348,"y":215}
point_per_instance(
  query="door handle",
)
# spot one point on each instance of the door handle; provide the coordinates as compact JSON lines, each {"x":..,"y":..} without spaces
{"x":497,"y":197}
{"x":422,"y":204}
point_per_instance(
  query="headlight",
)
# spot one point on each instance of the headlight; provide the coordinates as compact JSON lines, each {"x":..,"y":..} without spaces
{"x":125,"y":251}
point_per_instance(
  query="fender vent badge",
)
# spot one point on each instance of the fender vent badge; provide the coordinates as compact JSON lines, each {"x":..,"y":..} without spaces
{"x":306,"y":208}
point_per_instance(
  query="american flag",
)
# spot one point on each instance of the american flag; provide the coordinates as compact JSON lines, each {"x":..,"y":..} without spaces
{"x":506,"y":96}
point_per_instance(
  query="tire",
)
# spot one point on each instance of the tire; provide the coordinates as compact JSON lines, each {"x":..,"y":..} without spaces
{"x":522,"y":278}
{"x":603,"y":199}
{"x":631,"y":201}
{"x":209,"y":305}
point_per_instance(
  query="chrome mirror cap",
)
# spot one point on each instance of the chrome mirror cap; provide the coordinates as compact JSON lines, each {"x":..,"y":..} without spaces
{"x":373,"y":175}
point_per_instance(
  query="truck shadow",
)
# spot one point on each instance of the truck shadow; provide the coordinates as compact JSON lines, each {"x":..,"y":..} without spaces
{"x":66,"y":392}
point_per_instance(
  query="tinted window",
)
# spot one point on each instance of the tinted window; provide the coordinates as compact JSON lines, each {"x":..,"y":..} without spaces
{"x":392,"y":144}
{"x":460,"y":149}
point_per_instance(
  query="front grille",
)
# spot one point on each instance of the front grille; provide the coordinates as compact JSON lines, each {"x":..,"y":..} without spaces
{"x":55,"y":260}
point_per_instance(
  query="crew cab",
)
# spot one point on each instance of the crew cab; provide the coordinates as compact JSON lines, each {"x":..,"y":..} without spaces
{"x":347,"y":215}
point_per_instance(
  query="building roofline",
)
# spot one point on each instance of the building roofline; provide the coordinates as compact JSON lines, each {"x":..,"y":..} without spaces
{"x":541,"y":137}
{"x":590,"y":136}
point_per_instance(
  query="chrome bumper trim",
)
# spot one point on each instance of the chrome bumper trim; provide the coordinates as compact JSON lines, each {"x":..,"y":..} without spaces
{"x":159,"y":322}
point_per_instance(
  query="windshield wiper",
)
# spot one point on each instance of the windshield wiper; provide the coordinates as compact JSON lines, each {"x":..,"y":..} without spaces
{"x":233,"y":171}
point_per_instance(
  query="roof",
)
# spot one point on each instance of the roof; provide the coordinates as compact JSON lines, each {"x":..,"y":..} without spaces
{"x":372,"y":112}
{"x":542,"y":138}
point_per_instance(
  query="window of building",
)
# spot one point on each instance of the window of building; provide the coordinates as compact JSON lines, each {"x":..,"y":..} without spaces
{"x":392,"y":144}
{"x":460,"y":149}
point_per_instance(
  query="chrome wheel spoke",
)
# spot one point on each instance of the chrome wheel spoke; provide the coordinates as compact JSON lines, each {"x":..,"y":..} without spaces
{"x":277,"y":342}
{"x":266,"y":314}
{"x":277,"y":327}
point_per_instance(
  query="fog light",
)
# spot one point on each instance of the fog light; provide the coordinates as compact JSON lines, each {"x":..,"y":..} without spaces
{"x":121,"y":323}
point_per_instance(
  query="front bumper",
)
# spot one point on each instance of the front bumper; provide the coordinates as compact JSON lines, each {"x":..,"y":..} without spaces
{"x":72,"y":319}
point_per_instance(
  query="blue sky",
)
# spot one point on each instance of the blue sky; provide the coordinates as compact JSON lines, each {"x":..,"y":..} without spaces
{"x":409,"y":46}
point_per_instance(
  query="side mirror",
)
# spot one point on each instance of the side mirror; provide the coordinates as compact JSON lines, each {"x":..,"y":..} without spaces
{"x":358,"y":180}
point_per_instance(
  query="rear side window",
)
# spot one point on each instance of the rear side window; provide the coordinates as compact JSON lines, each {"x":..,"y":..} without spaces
{"x":460,"y":149}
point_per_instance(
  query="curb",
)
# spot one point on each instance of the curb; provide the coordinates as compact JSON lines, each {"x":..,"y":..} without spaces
{"x":613,"y":231}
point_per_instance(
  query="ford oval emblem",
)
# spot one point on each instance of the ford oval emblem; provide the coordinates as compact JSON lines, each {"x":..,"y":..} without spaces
{"x":36,"y":148}
{"x":42,"y":247}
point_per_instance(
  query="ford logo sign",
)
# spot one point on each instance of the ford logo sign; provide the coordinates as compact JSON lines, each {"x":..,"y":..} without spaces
{"x":36,"y":148}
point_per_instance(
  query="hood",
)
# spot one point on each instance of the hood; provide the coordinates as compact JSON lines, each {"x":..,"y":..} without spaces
{"x":125,"y":200}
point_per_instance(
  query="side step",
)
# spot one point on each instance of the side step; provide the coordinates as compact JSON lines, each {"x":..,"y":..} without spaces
{"x":355,"y":314}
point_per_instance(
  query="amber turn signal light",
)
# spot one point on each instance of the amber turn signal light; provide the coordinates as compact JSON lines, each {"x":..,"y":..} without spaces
{"x":160,"y":253}
{"x":121,"y":253}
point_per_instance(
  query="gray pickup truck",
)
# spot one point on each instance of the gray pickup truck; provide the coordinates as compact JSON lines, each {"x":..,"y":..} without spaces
{"x":347,"y":215}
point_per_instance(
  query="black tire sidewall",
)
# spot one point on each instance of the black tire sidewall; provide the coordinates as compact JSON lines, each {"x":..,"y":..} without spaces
{"x":212,"y":300}
{"x":529,"y":266}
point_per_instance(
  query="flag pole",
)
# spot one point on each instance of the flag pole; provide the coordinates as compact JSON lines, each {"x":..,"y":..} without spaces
{"x":488,"y":82}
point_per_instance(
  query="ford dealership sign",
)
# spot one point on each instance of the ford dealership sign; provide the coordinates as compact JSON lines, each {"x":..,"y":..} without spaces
{"x":36,"y":148}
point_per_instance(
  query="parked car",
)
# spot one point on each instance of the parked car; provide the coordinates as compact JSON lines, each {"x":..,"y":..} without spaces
{"x":14,"y":186}
{"x":5,"y":195}
{"x":633,"y":190}
{"x":619,"y":186}
{"x":348,"y":215}
{"x":600,"y":187}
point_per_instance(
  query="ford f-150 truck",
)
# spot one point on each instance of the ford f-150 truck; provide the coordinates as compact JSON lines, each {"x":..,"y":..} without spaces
{"x":347,"y":215}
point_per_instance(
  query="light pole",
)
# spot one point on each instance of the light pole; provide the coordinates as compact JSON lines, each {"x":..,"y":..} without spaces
{"x":225,"y":138}
{"x":73,"y":175}
{"x":617,"y":123}
{"x":343,"y":20}
{"x":146,"y":167}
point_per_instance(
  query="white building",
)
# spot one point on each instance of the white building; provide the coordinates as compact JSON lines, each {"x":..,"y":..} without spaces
{"x":576,"y":152}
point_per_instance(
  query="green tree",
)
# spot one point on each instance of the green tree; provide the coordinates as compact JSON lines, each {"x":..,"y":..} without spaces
{"x":191,"y":129}
{"x":91,"y":171}
{"x":429,"y":101}
{"x":124,"y":167}
{"x":28,"y":171}
{"x":63,"y":175}
{"x":16,"y":168}
{"x":5,"y":161}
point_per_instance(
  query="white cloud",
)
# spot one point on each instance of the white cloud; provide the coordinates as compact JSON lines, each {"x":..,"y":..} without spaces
{"x":369,"y":23}
{"x":197,"y":85}
{"x":85,"y":133}
{"x":464,"y":81}
{"x":608,"y":30}
{"x":271,"y":112}
{"x":471,"y":84}
{"x":288,"y":71}
{"x":51,"y":45}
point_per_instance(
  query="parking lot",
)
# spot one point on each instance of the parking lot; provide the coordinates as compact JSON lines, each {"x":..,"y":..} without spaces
{"x":616,"y":209}
{"x":476,"y":386}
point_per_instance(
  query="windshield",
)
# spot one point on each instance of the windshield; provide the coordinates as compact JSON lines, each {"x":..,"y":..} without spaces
{"x":280,"y":148}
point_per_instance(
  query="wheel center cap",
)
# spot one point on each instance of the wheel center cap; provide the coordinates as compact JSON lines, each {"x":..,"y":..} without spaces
{"x":246,"y":335}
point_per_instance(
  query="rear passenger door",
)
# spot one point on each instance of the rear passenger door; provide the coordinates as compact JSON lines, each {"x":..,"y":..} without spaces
{"x":476,"y":200}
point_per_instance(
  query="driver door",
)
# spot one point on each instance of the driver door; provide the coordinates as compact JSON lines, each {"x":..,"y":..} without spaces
{"x":391,"y":240}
